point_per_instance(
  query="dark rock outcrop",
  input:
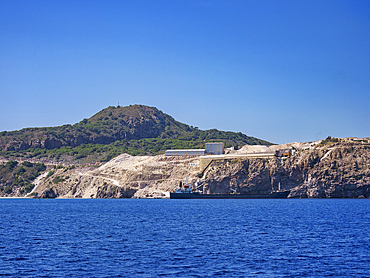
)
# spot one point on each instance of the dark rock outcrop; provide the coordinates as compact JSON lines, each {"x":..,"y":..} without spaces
{"x":112,"y":191}
{"x":49,"y":194}
{"x":339,"y":170}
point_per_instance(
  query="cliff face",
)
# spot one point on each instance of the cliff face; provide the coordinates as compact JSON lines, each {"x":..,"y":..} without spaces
{"x":334,"y":170}
{"x":326,"y":170}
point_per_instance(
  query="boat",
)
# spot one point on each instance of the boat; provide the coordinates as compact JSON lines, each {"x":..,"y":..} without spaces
{"x":196,"y":195}
{"x":186,"y":192}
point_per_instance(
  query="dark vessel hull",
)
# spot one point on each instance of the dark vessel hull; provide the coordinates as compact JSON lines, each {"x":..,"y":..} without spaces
{"x":273,"y":195}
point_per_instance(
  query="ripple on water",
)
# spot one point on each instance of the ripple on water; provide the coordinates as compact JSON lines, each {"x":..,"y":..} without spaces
{"x":181,"y":238}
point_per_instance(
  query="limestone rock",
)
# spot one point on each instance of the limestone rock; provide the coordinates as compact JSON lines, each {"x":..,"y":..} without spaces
{"x":322,"y":169}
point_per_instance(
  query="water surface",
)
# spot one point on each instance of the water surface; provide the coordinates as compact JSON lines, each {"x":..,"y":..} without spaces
{"x":184,"y":238}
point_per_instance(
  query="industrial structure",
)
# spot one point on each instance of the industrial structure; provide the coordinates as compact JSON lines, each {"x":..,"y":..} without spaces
{"x":214,"y":152}
{"x":215,"y":148}
{"x":210,"y":148}
{"x":185,"y":152}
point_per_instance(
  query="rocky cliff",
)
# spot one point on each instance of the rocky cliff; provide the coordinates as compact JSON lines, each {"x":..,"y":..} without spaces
{"x":337,"y":168}
{"x":323,"y":169}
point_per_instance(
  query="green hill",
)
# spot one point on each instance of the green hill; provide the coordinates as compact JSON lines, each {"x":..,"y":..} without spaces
{"x":135,"y":129}
{"x":16,"y":178}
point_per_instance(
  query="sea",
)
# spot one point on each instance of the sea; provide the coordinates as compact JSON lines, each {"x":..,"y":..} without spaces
{"x":184,"y":238}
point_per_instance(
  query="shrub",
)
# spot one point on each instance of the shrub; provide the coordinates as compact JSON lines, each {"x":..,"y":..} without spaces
{"x":20,"y":170}
{"x":58,"y":179}
{"x":40,"y":167}
{"x":50,"y":174}
{"x":27,"y":164}
{"x":8,"y":190}
{"x":11,"y":164}
{"x":28,"y":188}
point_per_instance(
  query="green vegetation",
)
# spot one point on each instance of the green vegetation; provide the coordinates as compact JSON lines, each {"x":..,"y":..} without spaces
{"x":328,"y":141}
{"x":8,"y":189}
{"x":50,"y":173}
{"x":15,"y":176}
{"x":89,"y":153}
{"x":136,"y":130}
{"x":58,"y":179}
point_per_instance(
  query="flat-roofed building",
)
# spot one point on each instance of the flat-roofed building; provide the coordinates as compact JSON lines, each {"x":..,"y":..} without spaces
{"x":210,"y":148}
{"x":215,"y":148}
{"x":185,"y":152}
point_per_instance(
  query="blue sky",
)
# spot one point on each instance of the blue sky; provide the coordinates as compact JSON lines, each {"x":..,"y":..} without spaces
{"x":283,"y":71}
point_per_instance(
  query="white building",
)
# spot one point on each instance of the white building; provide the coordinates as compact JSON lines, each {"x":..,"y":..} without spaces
{"x":215,"y":148}
{"x":210,"y":148}
{"x":185,"y":152}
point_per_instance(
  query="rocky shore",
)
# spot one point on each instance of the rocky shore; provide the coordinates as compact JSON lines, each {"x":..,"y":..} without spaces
{"x":331,"y":168}
{"x":324,"y":169}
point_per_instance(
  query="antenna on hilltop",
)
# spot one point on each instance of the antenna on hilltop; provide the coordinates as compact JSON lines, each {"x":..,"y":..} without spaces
{"x":118,"y":105}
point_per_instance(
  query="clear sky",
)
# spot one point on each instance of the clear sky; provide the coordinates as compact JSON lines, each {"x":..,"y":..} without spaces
{"x":283,"y":71}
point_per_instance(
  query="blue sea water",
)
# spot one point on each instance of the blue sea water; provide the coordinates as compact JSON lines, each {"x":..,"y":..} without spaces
{"x":185,"y":238}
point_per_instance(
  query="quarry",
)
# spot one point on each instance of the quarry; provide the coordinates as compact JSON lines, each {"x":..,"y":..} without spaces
{"x":320,"y":169}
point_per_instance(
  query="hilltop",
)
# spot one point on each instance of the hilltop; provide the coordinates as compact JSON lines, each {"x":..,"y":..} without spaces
{"x":134,"y":129}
